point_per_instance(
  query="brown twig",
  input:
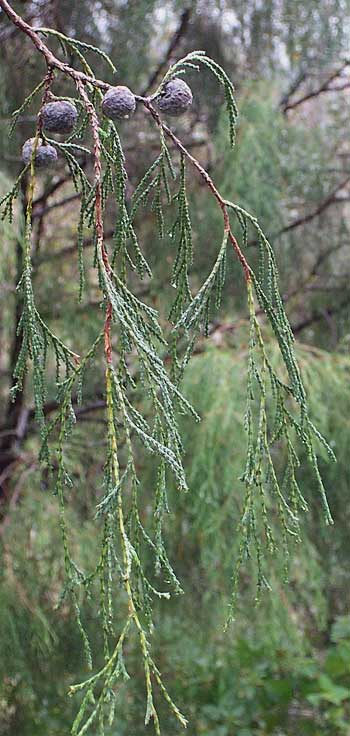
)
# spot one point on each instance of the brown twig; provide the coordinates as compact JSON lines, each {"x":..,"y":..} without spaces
{"x":325,"y":87}
{"x":304,"y":283}
{"x":98,"y":210}
{"x":320,"y":314}
{"x":292,"y":89}
{"x":51,"y":60}
{"x":51,"y":190}
{"x":41,"y":211}
{"x":330,"y":199}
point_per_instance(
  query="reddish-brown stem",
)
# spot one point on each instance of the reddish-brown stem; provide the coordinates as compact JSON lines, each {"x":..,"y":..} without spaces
{"x":97,"y":169}
{"x":48,"y":82}
{"x":51,"y":60}
{"x":98,"y":208}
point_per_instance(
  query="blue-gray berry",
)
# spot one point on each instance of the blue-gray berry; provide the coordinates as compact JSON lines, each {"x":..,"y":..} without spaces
{"x":118,"y":102}
{"x":59,"y":116}
{"x":45,"y":156}
{"x":175,"y":98}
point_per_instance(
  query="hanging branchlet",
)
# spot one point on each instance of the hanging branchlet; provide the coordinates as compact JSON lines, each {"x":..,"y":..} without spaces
{"x":182,"y":230}
{"x":276,"y":407}
{"x":191,"y":63}
{"x":155,"y":185}
{"x":267,"y":487}
{"x":197,"y":313}
{"x":17,"y":113}
{"x":77,"y":46}
{"x":36,"y":335}
{"x":8,"y":200}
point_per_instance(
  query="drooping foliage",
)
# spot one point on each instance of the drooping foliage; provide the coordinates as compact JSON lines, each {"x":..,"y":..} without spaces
{"x":256,"y":677}
{"x":136,"y":352}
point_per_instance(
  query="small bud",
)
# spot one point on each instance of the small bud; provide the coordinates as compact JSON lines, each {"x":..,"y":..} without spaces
{"x":59,"y":117}
{"x":118,"y":102}
{"x":175,"y":98}
{"x":45,"y":156}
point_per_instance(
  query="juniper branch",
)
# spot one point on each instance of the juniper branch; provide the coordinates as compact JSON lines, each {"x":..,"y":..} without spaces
{"x":140,"y":335}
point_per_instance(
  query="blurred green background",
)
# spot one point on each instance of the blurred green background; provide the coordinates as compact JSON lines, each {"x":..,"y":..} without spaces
{"x":283,"y":666}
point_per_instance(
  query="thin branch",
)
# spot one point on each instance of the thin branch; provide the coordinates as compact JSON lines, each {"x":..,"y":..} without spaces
{"x":51,"y":60}
{"x":38,"y":213}
{"x":174,"y":42}
{"x":139,"y":329}
{"x":69,"y":250}
{"x":329,"y":200}
{"x":80,"y":79}
{"x":9,"y":31}
{"x":320,"y":314}
{"x":292,"y":89}
{"x":322,"y":89}
{"x":54,"y":186}
{"x":26,"y":420}
{"x":314,"y":272}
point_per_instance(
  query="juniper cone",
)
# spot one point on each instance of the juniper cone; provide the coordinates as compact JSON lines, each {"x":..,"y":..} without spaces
{"x":59,"y":117}
{"x":45,"y":156}
{"x":175,"y":98}
{"x":118,"y":102}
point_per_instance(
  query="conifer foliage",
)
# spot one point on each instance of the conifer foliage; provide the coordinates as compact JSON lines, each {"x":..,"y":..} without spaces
{"x":134,"y":346}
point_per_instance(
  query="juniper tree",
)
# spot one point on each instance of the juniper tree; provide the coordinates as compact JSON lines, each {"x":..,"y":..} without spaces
{"x":132,"y":348}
